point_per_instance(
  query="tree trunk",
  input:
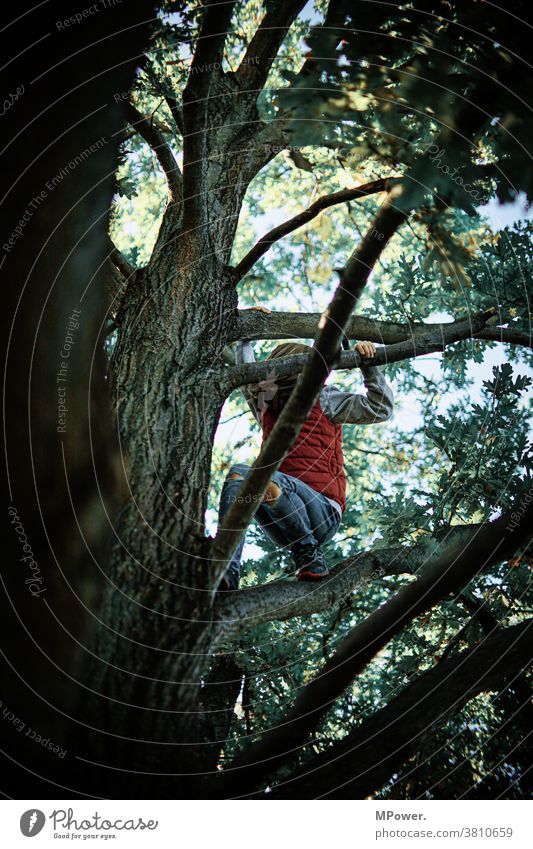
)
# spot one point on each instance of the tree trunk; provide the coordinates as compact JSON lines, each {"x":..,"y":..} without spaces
{"x":157,"y":641}
{"x":61,"y":148}
{"x":175,"y":318}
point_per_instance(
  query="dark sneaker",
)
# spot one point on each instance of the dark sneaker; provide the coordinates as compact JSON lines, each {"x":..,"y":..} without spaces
{"x":310,"y":563}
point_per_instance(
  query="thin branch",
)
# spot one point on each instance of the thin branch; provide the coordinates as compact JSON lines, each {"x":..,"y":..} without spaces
{"x":264,"y":46}
{"x":164,"y":86}
{"x":447,"y":571}
{"x":508,"y":335}
{"x":176,"y":111}
{"x":365,"y":759}
{"x":297,"y":221}
{"x":324,"y":355}
{"x":208,"y":54}
{"x":161,"y":148}
{"x":266,"y":369}
{"x":253,"y":324}
{"x":119,"y":260}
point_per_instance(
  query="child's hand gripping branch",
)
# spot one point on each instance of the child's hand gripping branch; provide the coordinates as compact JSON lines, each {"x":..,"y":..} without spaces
{"x":303,"y":504}
{"x":366,"y":349}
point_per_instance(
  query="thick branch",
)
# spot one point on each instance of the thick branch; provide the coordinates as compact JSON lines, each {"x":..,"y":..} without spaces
{"x":264,"y":46}
{"x":253,"y":324}
{"x":480,"y":609}
{"x":447,"y":571}
{"x":209,"y":48}
{"x":297,"y":221}
{"x":367,"y":757}
{"x":311,"y":380}
{"x":208,"y":54}
{"x":281,"y":600}
{"x":161,"y":148}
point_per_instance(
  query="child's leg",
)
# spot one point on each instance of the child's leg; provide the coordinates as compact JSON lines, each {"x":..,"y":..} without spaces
{"x":282,"y":514}
{"x":286,"y":519}
{"x":306,"y":519}
{"x":292,"y":514}
{"x":324,"y":518}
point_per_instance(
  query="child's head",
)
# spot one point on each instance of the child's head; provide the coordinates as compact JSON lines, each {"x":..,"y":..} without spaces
{"x":286,"y":349}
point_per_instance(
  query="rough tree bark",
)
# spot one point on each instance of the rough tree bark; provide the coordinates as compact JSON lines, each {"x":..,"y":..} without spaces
{"x":59,"y":153}
{"x":175,"y":316}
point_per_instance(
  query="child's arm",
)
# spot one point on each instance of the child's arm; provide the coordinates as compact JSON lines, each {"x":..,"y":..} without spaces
{"x":354,"y":408}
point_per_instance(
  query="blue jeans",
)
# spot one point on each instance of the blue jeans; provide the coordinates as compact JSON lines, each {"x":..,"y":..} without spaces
{"x":299,"y":515}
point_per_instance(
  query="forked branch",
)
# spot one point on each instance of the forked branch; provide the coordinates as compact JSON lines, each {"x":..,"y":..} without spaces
{"x":253,"y":324}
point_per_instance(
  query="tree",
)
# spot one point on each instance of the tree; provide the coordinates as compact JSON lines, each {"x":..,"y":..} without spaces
{"x":407,"y":104}
{"x":61,"y":122}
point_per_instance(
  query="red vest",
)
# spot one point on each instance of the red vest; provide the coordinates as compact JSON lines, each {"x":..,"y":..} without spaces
{"x":316,"y":457}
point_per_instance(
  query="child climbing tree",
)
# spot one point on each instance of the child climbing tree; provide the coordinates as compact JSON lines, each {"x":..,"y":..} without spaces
{"x":334,"y":173}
